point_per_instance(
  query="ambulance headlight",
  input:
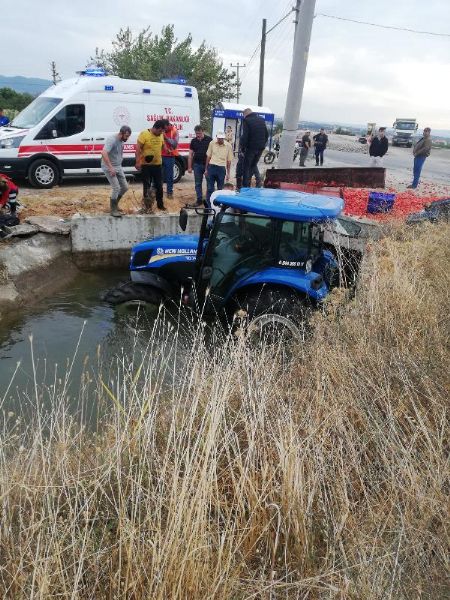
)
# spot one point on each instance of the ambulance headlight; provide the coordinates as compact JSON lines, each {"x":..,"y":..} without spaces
{"x":13,"y":142}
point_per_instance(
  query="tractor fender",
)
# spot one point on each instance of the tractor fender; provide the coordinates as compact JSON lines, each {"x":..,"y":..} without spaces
{"x":306,"y":283}
{"x":148,"y":278}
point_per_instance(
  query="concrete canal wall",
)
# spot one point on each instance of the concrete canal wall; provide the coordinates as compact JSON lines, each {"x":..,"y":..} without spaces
{"x":99,"y":241}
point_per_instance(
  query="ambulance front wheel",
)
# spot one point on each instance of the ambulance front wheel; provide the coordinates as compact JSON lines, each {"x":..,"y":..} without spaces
{"x":43,"y":173}
{"x":178,"y":171}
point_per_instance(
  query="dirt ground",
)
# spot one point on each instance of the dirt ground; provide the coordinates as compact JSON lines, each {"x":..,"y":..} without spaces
{"x":92,"y":197}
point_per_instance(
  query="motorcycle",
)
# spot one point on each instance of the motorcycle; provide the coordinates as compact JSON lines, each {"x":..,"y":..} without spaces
{"x":271,"y":155}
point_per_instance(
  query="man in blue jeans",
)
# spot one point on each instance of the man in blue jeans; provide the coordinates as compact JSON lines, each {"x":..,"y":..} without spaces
{"x":218,"y":164}
{"x":197,"y":160}
{"x":169,"y":152}
{"x":421,"y":150}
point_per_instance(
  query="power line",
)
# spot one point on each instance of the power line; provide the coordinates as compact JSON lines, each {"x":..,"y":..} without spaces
{"x":383,"y":26}
{"x":250,"y":66}
{"x":280,"y":21}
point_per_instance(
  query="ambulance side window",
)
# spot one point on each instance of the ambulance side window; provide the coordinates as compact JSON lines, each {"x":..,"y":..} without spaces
{"x":68,"y":121}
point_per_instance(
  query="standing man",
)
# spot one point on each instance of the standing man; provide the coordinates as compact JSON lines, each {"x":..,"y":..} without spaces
{"x":4,"y":120}
{"x":149,"y":161}
{"x":421,"y":150}
{"x":111,"y":164}
{"x":378,"y":148}
{"x":253,"y":141}
{"x":305,"y":146}
{"x":218,"y":163}
{"x":197,"y":159}
{"x":320,"y":143}
{"x":169,"y":152}
{"x":240,"y":172}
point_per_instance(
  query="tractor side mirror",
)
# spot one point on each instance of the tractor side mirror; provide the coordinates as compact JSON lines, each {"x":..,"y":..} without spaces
{"x":183,"y":219}
{"x":207,"y":272}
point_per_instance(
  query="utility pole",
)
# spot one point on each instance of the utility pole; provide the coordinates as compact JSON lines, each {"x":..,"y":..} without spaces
{"x":261,"y":62}
{"x":305,"y":16}
{"x":54,"y":72}
{"x":237,"y":66}
{"x":264,"y":34}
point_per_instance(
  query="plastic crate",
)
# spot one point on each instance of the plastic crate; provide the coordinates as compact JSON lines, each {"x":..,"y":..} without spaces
{"x":380,"y":203}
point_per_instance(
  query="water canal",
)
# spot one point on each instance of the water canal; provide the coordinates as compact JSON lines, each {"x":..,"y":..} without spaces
{"x":72,"y":339}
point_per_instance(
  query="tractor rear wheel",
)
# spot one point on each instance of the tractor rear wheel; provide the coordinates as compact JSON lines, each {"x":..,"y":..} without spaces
{"x":133,"y":292}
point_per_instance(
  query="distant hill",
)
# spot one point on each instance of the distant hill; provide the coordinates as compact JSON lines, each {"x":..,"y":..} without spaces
{"x":31,"y":85}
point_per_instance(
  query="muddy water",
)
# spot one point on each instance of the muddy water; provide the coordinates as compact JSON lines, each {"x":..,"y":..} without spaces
{"x":67,"y":340}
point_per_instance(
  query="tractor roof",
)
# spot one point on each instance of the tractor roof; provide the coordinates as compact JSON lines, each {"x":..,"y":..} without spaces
{"x":283,"y":204}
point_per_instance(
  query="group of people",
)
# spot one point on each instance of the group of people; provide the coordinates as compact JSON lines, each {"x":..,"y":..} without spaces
{"x":211,"y":159}
{"x":379,"y":146}
{"x":156,"y":150}
{"x":320,"y":141}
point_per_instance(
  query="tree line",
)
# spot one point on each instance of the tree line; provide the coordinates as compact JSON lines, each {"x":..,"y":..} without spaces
{"x":13,"y":101}
{"x":152,"y":57}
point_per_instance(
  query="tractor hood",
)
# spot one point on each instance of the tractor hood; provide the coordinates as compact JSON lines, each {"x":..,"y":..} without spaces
{"x":155,"y":252}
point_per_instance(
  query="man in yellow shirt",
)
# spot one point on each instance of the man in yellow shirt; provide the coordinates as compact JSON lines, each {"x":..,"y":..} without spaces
{"x":149,"y":161}
{"x":218,"y":163}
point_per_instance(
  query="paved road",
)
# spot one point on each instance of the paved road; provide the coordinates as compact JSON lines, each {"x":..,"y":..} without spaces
{"x":397,"y":160}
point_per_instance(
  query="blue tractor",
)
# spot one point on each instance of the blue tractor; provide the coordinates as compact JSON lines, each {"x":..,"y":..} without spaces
{"x":259,"y":252}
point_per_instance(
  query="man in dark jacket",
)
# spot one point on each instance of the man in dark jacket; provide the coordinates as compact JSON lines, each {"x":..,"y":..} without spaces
{"x":253,"y":141}
{"x":320,"y":143}
{"x":421,"y":151}
{"x":378,"y":148}
{"x":305,"y":146}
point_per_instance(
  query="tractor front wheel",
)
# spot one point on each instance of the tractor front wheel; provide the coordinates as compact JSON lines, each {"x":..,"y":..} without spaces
{"x":130,"y":292}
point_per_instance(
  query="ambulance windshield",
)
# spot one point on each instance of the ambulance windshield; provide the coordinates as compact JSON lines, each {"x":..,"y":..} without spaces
{"x":35,"y":112}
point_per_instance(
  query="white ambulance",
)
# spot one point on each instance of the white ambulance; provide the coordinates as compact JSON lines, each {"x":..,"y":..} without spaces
{"x":62,"y":132}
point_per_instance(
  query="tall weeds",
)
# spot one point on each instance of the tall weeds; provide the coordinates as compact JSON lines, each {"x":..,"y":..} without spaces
{"x":232,"y":476}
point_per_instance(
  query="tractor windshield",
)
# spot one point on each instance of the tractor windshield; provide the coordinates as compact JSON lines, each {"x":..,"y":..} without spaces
{"x":241,"y":244}
{"x":299,"y":242}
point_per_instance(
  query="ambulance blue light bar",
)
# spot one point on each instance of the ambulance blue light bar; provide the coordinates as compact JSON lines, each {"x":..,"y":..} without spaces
{"x":175,"y":80}
{"x":93,"y":72}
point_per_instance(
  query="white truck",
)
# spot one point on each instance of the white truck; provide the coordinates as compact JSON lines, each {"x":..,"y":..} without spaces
{"x":62,"y":132}
{"x":404,"y":130}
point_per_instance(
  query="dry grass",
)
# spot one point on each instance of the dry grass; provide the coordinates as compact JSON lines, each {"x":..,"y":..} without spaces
{"x":240,"y":479}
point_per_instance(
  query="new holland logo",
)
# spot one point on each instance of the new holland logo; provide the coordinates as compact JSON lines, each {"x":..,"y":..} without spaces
{"x":179,"y":251}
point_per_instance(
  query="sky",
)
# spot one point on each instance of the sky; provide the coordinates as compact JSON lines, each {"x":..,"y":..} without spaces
{"x":355,"y":74}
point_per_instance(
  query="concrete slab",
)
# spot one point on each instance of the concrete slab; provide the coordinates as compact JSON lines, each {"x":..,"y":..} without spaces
{"x":22,"y":230}
{"x":50,"y":224}
{"x":20,"y":256}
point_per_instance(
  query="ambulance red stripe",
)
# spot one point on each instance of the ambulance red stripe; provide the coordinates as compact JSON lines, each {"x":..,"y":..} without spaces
{"x":61,"y":149}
